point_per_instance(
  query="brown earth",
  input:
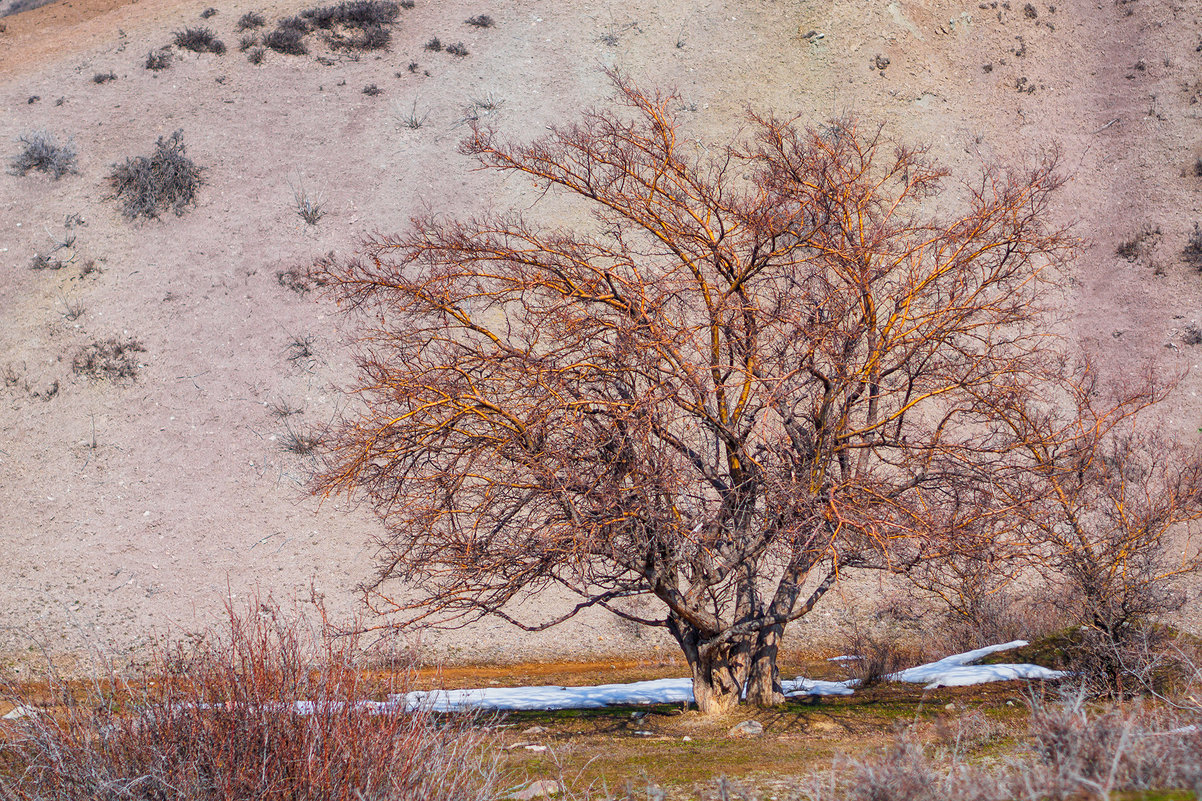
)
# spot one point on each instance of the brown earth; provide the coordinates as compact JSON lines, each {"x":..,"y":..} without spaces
{"x":135,"y":507}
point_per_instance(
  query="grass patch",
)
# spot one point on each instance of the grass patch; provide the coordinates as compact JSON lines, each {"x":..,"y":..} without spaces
{"x":111,"y":359}
{"x":301,"y":441}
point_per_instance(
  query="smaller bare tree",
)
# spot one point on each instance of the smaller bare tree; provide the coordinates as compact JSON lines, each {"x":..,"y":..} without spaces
{"x":1106,"y":520}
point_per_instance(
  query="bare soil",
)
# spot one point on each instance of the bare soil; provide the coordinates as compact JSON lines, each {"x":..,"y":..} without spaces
{"x":131,"y":508}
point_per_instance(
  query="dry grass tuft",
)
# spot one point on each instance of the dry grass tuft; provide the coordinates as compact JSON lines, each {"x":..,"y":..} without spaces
{"x":109,"y":359}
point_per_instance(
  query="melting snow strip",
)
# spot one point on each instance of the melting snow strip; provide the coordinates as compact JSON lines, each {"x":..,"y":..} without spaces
{"x":952,"y":671}
{"x":958,"y":671}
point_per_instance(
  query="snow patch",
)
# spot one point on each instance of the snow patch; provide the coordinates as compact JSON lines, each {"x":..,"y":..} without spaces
{"x":957,"y":670}
{"x":952,"y":671}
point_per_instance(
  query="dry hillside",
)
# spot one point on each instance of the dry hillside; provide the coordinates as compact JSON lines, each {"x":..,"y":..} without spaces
{"x":130,"y":506}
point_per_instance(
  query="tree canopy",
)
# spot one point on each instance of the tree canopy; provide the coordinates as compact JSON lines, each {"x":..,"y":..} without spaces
{"x":754,"y":369}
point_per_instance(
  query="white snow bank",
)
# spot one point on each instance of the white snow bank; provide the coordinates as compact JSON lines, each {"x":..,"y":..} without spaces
{"x":802,"y":686}
{"x":952,"y":671}
{"x":958,"y":671}
{"x":554,"y":696}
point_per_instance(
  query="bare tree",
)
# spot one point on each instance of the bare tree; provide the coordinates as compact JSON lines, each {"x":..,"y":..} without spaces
{"x":754,"y":370}
{"x":1110,"y":512}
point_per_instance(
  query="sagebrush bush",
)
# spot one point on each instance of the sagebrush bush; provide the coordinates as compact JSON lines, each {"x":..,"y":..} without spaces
{"x":1192,"y":252}
{"x":267,"y":710}
{"x":41,"y":151}
{"x":288,"y":40}
{"x":199,"y":40}
{"x":373,"y":37}
{"x":354,"y":14}
{"x":150,"y":185}
{"x":249,"y":20}
{"x":158,"y":60}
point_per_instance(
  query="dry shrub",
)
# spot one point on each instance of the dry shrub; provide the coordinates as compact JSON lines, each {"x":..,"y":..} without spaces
{"x":287,"y":40}
{"x":303,"y":278}
{"x":1081,"y":751}
{"x":249,"y":20}
{"x":158,"y":59}
{"x":267,"y":709}
{"x":354,"y":14}
{"x":199,"y":40}
{"x":41,"y":151}
{"x":1192,"y":252}
{"x":1070,"y":752}
{"x":374,"y":37}
{"x":874,"y":655}
{"x":149,"y":185}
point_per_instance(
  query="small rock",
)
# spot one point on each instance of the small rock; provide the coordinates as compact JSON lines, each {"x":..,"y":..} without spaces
{"x":686,"y":739}
{"x":644,"y":733}
{"x":20,"y":712}
{"x":543,"y":788}
{"x":535,"y":747}
{"x":535,"y":730}
{"x":748,"y":728}
{"x":951,"y":707}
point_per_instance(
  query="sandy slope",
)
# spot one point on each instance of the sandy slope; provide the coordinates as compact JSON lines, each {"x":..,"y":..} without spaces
{"x":129,"y":507}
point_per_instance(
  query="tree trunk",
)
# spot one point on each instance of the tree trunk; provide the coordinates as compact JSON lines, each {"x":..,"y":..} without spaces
{"x":719,"y":671}
{"x":763,"y":686}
